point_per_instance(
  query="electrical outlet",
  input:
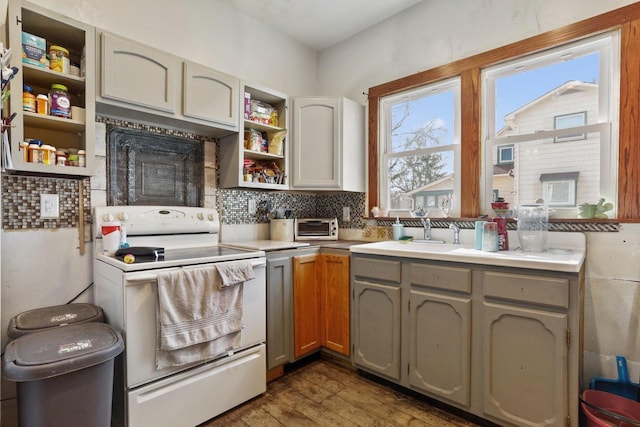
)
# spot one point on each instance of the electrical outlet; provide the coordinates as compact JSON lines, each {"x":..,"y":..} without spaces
{"x":252,"y":207}
{"x":346,"y":213}
{"x":49,"y":206}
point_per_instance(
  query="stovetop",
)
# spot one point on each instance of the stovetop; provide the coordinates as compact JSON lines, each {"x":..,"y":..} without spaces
{"x":180,"y":257}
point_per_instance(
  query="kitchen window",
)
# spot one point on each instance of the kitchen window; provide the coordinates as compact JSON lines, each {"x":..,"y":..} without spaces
{"x":531,"y":103}
{"x":420,"y":149}
{"x":613,"y":121}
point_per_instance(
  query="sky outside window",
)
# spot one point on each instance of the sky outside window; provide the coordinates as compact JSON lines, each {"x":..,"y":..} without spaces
{"x":517,"y":90}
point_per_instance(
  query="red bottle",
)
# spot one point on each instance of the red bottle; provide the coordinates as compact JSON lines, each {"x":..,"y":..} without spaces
{"x":503,"y":236}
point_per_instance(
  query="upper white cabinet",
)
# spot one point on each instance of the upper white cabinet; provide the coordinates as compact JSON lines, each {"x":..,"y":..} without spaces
{"x":139,"y":82}
{"x":138,"y":74}
{"x":210,"y":95}
{"x":69,"y":134}
{"x":257,"y":157}
{"x":328,"y":149}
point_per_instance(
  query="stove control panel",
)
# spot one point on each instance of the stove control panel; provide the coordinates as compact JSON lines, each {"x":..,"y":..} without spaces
{"x":152,"y":220}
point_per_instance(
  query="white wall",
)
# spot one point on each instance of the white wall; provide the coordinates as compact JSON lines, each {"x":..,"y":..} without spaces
{"x":436,"y":32}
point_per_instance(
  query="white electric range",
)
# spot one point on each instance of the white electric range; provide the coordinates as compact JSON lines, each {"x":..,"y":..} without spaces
{"x":180,"y":395}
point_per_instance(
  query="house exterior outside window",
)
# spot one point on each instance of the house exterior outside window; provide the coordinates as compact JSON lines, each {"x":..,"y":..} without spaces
{"x":569,"y":95}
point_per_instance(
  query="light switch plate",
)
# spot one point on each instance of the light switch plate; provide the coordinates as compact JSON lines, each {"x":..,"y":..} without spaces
{"x":49,"y":206}
{"x":252,"y":207}
{"x":346,"y":214}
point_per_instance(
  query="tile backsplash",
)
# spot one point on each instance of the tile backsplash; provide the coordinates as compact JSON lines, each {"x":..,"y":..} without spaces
{"x":234,"y":206}
{"x":21,"y":194}
{"x":21,"y":201}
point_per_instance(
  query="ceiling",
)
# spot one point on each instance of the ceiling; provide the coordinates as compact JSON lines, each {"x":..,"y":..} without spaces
{"x":321,"y":23}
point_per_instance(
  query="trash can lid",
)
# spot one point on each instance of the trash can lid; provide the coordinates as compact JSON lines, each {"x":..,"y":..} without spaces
{"x":51,"y":317}
{"x":58,"y":351}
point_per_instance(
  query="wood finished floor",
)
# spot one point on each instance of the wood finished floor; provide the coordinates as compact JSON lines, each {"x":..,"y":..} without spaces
{"x":324,"y":393}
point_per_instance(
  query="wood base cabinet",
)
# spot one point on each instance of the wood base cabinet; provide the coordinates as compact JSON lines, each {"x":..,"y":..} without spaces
{"x":307,"y":304}
{"x":335,"y":302}
{"x":501,"y":343}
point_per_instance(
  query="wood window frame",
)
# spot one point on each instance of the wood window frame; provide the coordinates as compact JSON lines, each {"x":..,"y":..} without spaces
{"x":627,"y":19}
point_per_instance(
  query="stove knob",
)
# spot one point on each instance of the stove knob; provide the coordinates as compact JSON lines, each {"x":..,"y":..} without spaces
{"x":200,"y":216}
{"x":123,"y":216}
{"x":109,"y":217}
{"x":211,"y":218}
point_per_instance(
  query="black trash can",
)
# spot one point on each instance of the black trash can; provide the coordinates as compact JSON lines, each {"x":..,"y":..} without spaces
{"x":41,"y":319}
{"x":64,"y":375}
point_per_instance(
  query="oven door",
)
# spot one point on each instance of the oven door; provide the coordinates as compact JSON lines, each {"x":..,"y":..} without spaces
{"x":140,"y":324}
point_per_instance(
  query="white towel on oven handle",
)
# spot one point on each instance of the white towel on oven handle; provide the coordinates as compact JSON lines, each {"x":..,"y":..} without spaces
{"x":194,"y":309}
{"x":234,"y":272}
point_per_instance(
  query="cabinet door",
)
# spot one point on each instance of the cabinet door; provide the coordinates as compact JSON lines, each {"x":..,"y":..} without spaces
{"x":335,"y":303}
{"x":525,"y":365}
{"x":315,"y":149}
{"x":306,"y":305}
{"x":138,"y":74}
{"x":279,"y":311}
{"x":440,"y":345}
{"x":376,"y":328}
{"x":210,"y":95}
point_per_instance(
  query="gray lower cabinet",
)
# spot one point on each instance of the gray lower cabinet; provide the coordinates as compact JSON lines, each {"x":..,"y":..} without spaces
{"x":525,"y":352}
{"x":501,"y":343}
{"x":279,"y":309}
{"x":440,"y":331}
{"x":376,"y":328}
{"x":376,"y":315}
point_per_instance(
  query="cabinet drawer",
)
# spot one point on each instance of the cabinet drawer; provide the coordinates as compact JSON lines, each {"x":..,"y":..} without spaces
{"x":377,"y":269}
{"x":520,"y":287}
{"x":441,"y":277}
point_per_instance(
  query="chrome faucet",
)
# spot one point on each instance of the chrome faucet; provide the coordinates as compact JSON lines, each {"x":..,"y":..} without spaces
{"x":456,"y":233}
{"x":426,"y":224}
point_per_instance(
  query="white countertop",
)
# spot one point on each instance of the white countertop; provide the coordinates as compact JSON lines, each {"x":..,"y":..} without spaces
{"x":566,"y":253}
{"x":264,"y":245}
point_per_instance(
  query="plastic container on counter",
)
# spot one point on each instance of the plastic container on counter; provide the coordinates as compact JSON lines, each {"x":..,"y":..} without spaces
{"x":28,"y":99}
{"x":59,"y":101}
{"x":59,"y":59}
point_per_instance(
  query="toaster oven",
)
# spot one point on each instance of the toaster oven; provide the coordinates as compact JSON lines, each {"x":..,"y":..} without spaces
{"x":316,"y":229}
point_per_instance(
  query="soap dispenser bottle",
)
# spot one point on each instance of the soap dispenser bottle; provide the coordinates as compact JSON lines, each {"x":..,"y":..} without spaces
{"x":398,"y":229}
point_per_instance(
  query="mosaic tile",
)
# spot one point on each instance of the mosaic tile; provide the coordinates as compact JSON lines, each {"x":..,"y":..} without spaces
{"x":21,"y":201}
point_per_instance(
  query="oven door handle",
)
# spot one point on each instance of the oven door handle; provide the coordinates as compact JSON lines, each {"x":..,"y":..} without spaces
{"x":151,"y":276}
